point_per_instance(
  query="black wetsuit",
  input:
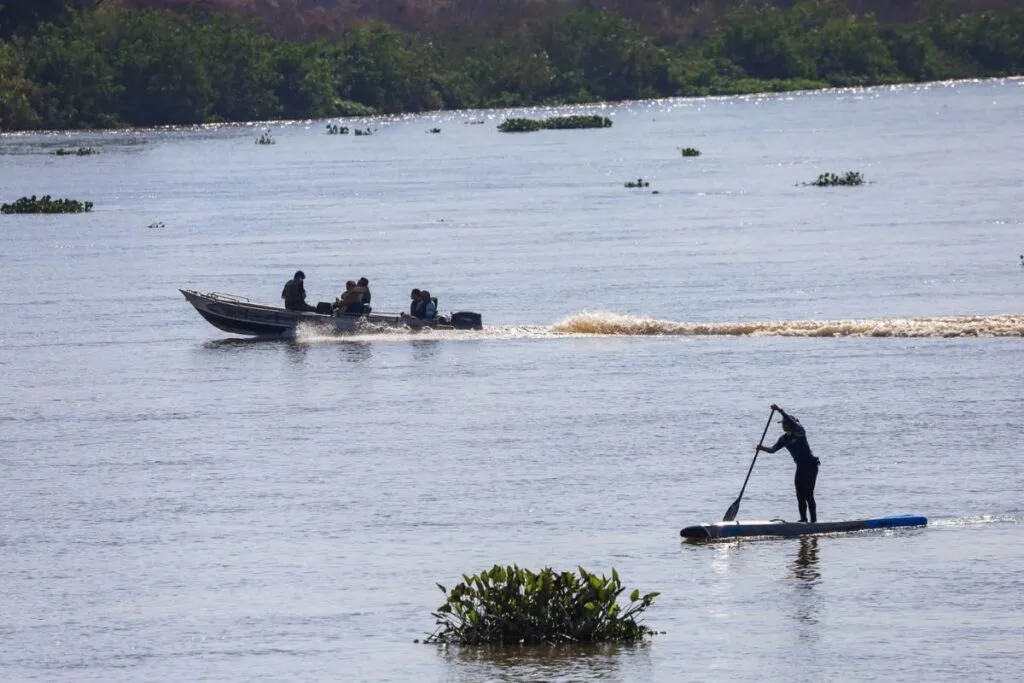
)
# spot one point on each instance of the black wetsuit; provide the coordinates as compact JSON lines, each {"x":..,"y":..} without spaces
{"x":806,"y":471}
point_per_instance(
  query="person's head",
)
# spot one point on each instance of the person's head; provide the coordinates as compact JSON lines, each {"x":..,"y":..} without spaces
{"x":414,"y":294}
{"x":425,"y":295}
{"x":791,"y":425}
{"x":363,"y":282}
{"x":350,"y":285}
{"x":299,"y":275}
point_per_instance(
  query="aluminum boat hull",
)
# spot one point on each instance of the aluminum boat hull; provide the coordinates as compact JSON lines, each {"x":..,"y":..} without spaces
{"x":237,"y":315}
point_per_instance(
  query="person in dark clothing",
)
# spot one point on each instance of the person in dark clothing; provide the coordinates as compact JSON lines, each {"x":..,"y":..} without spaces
{"x":794,"y":440}
{"x":294,"y":294}
{"x":365,"y":284}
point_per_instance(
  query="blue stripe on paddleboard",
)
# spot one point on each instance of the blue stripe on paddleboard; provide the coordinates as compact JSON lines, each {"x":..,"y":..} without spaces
{"x":898,"y":520}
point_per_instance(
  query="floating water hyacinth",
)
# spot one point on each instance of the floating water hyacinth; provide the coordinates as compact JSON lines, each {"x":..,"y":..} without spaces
{"x":522,"y":125}
{"x":46,"y":204}
{"x":80,"y":152}
{"x":434,"y":130}
{"x":833,"y":180}
{"x":691,"y":152}
{"x":511,"y":606}
{"x":639,"y":182}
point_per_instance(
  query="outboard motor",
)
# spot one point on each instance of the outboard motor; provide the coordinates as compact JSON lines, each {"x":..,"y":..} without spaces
{"x":467,"y":320}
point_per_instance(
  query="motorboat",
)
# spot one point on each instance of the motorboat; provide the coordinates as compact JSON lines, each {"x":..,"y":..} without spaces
{"x":239,"y":315}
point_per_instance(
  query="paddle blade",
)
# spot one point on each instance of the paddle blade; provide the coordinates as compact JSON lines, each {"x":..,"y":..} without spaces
{"x":731,"y":513}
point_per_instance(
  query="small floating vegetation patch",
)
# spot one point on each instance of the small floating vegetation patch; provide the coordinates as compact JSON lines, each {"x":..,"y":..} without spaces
{"x":639,"y":182}
{"x":266,"y":139}
{"x":691,"y":152}
{"x":520,"y":125}
{"x":833,"y":180}
{"x":334,"y":129}
{"x":434,"y":130}
{"x":80,"y":152}
{"x":46,"y":204}
{"x":363,"y":132}
{"x":512,"y":606}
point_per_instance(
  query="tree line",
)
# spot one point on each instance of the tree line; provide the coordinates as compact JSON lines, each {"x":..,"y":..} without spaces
{"x":67,"y":65}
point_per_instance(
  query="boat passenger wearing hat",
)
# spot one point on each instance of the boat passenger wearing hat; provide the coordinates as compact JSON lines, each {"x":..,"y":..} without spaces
{"x":794,"y":440}
{"x":294,"y":294}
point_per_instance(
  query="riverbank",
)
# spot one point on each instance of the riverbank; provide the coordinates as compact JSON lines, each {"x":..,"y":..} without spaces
{"x":114,"y":68}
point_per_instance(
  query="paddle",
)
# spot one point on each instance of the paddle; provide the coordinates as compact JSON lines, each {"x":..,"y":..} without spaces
{"x":730,"y":514}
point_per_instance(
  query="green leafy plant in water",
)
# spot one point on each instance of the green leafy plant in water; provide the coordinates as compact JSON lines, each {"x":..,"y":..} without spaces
{"x":850,"y":178}
{"x":46,"y":204}
{"x":80,"y":152}
{"x":510,"y":605}
{"x":691,"y":152}
{"x":639,"y":182}
{"x":521,"y":125}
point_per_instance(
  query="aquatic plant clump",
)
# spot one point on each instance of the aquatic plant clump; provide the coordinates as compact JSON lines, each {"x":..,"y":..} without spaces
{"x":511,"y":605}
{"x":80,"y":152}
{"x":521,"y":125}
{"x":691,"y":152}
{"x":570,"y":122}
{"x":639,"y":182}
{"x":833,"y":180}
{"x":46,"y":204}
{"x":334,"y":129}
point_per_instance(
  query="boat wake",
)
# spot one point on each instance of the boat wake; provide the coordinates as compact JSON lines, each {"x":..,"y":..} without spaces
{"x":604,"y":323}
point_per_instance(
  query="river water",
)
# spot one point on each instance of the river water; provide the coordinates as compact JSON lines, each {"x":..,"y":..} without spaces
{"x":180,"y":505}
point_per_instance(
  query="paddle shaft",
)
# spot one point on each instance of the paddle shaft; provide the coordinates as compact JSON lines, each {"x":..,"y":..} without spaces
{"x":730,"y":514}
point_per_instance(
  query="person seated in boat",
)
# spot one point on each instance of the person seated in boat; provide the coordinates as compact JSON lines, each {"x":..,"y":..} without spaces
{"x":429,"y":305}
{"x":351,"y":301}
{"x":415,"y":304}
{"x":794,"y":440}
{"x":294,"y":293}
{"x":365,"y":284}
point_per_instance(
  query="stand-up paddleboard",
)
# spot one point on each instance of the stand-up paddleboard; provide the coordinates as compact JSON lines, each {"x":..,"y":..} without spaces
{"x":779,"y":527}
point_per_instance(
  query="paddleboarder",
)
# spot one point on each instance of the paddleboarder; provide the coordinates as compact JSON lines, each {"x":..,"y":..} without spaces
{"x":794,"y":440}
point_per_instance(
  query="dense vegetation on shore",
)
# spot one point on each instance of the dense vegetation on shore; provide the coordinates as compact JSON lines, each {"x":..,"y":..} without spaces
{"x":109,"y":66}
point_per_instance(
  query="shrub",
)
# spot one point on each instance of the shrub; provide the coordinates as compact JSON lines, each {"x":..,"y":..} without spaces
{"x":46,"y":204}
{"x":510,"y":605}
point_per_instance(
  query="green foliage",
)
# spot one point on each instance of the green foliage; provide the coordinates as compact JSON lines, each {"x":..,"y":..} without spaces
{"x":510,"y":605}
{"x":520,"y":125}
{"x":691,"y":152}
{"x":517,"y":125}
{"x":850,"y":178}
{"x":46,"y":204}
{"x":80,"y":152}
{"x":112,"y":67}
